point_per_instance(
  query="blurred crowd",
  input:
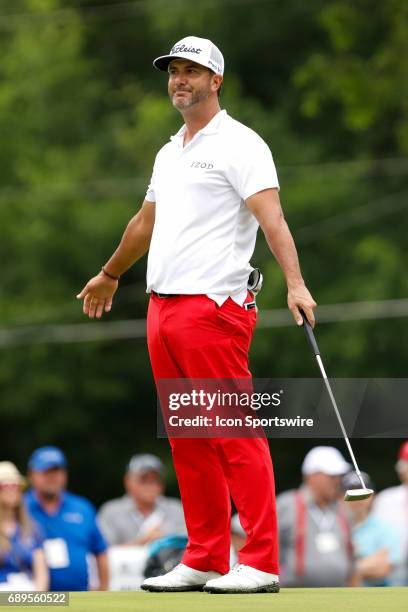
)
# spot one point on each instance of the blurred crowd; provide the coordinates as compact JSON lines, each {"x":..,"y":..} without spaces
{"x":52,"y":539}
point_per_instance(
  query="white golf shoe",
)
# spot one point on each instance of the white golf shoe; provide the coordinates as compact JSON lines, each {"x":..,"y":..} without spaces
{"x":244,"y":579}
{"x":180,"y":578}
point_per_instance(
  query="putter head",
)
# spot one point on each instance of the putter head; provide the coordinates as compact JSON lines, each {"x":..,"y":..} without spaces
{"x":357,"y":494}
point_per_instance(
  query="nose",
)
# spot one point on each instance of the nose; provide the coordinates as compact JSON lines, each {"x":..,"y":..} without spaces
{"x":179,"y":79}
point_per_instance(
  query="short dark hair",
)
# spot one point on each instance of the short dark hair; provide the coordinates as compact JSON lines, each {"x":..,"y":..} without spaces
{"x":220,"y":87}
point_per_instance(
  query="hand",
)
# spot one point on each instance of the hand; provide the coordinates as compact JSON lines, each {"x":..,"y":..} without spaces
{"x":97,"y":295}
{"x":299,"y":297}
{"x":152,"y":534}
{"x":376,"y":565}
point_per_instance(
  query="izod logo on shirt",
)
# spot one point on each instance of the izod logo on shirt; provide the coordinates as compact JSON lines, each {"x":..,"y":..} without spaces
{"x":200,"y":164}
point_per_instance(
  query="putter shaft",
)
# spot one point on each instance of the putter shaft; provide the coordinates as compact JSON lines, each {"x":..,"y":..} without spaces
{"x":315,"y":349}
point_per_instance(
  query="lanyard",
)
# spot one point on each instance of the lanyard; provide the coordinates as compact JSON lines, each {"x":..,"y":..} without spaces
{"x":300,"y":532}
{"x":324,"y":521}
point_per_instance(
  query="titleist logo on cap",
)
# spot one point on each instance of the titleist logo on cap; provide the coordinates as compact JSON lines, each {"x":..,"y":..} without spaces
{"x":185,"y":49}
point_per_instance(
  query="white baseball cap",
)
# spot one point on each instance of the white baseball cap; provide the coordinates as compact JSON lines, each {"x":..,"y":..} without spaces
{"x":325,"y":459}
{"x":199,"y":50}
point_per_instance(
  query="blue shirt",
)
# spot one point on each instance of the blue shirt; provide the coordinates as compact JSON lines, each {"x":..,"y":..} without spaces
{"x":19,"y":557}
{"x":75,"y":523}
{"x":372,"y":535}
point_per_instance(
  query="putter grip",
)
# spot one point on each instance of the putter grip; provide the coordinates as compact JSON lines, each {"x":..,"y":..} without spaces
{"x":309,"y":334}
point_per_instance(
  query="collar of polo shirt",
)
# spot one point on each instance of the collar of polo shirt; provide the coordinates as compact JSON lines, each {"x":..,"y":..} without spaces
{"x":211,"y":127}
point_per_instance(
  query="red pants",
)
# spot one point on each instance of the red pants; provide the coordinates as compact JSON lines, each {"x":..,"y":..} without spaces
{"x":192,"y":337}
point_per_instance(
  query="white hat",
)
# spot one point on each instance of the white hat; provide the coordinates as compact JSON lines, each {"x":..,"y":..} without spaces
{"x":9,"y":474}
{"x":325,"y":459}
{"x":199,"y":50}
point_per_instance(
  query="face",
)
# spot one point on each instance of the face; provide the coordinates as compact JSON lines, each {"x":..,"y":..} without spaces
{"x":10,"y":495}
{"x":403,"y":471}
{"x":190,"y":83}
{"x":144,"y":488}
{"x":49,"y":483}
{"x":325,"y":488}
{"x":360,"y":509}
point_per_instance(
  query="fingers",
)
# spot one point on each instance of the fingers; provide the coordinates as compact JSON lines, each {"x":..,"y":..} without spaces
{"x":108,"y":304}
{"x":92,"y":307}
{"x":301,"y":300}
{"x":83,"y":293}
{"x":97,"y":296}
{"x":87,"y":303}
{"x":95,"y":307}
{"x":100,"y":309}
{"x":308,"y":310}
{"x":296,"y":313}
{"x":309,"y":315}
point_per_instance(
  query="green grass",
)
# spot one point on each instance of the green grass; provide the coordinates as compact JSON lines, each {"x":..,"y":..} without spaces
{"x":302,"y":600}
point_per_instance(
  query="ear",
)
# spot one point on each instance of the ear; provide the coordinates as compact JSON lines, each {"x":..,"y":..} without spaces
{"x":216,"y":82}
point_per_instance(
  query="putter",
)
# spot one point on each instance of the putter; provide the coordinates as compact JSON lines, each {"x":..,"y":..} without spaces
{"x":351,"y":494}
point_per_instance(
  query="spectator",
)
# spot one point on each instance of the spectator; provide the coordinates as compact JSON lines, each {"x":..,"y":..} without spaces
{"x":391,"y":505}
{"x":314,"y":533}
{"x":238,"y":538}
{"x":22,"y":561}
{"x":68,"y":522}
{"x":238,"y":535}
{"x":376,"y":544}
{"x":143,"y":514}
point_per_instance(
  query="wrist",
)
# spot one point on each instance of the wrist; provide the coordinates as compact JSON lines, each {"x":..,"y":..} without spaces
{"x":109,"y":274}
{"x":295,"y":283}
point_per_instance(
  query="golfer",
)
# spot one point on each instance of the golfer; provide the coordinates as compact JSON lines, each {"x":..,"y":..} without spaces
{"x":212,"y":185}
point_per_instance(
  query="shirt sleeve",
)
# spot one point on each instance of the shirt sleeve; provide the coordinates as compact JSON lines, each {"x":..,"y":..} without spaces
{"x":151,"y":193}
{"x":252,"y":168}
{"x":383,"y":505}
{"x":97,"y":544}
{"x":391,"y":541}
{"x":106,"y":522}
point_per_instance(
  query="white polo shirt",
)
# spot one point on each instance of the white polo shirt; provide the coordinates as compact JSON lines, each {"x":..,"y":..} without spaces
{"x":204,"y":234}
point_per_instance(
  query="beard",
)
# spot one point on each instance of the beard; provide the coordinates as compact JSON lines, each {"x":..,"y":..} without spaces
{"x":190,"y":98}
{"x":50,"y":494}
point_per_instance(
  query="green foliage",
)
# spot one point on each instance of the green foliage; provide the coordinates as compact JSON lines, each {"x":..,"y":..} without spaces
{"x":363,"y":71}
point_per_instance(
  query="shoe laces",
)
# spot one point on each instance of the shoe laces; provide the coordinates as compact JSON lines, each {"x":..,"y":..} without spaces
{"x":237,"y":568}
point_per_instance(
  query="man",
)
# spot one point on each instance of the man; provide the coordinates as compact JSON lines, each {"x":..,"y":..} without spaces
{"x":67,"y":521}
{"x":314,"y":532}
{"x":143,"y":514}
{"x":391,"y":505}
{"x":376,"y":542}
{"x":212,"y":185}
